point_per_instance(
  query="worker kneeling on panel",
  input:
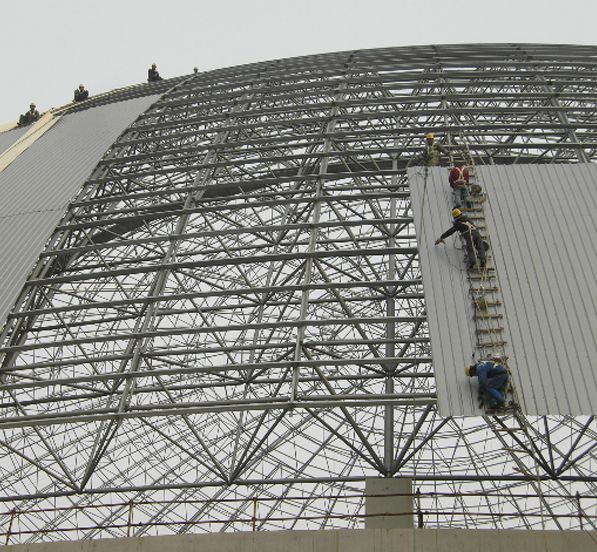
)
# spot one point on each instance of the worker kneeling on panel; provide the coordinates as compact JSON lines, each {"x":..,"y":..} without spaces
{"x":493,"y":381}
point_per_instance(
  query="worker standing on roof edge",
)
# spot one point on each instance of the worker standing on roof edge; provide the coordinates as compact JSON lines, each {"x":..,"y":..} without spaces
{"x":493,"y":380}
{"x":152,"y":74}
{"x":459,"y":182}
{"x":81,"y":94}
{"x":475,"y":248}
{"x":431,"y":155}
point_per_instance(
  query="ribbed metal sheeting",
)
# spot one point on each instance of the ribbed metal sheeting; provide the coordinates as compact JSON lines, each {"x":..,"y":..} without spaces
{"x":38,"y":185}
{"x":447,"y":298}
{"x":542,"y":226}
{"x":9,"y":137}
{"x":545,"y":227}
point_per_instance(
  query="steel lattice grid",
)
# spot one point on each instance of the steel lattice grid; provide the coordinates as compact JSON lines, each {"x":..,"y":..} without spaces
{"x":232,"y":305}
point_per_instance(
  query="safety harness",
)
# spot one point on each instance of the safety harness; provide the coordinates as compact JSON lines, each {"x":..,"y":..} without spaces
{"x":461,"y":180}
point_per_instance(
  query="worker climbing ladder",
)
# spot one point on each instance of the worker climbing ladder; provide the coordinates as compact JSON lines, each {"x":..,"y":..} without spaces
{"x":488,"y":316}
{"x":516,"y":436}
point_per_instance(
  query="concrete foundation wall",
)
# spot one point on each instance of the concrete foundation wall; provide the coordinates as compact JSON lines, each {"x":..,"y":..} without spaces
{"x":366,"y":540}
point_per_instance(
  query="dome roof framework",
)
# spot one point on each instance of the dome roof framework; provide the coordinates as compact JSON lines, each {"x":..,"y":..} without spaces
{"x":232,"y":306}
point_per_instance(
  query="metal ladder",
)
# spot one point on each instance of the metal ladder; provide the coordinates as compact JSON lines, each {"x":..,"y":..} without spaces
{"x":484,"y":288}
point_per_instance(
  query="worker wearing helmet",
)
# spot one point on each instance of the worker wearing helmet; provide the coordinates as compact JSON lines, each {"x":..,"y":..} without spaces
{"x":81,"y":94}
{"x":30,"y":117}
{"x":431,"y":155}
{"x":152,"y":74}
{"x":475,"y":248}
{"x":493,"y":380}
{"x":459,"y":182}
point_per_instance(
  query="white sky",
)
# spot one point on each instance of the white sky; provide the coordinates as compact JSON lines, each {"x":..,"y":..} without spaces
{"x":50,"y":46}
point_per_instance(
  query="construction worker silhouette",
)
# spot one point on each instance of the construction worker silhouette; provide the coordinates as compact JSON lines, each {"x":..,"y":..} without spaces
{"x":30,"y":117}
{"x":431,"y":155}
{"x":493,"y":380}
{"x":81,"y":94}
{"x":459,"y":182}
{"x":475,"y":248}
{"x":152,"y":74}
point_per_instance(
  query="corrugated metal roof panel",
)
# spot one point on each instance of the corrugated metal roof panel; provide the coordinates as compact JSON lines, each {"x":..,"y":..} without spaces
{"x":541,"y":225}
{"x":38,"y":185}
{"x":545,"y":252}
{"x":46,"y":175}
{"x":23,"y":237}
{"x":9,"y":137}
{"x":447,"y":297}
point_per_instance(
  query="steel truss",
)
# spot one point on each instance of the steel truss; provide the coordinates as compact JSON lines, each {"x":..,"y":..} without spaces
{"x":232,"y":305}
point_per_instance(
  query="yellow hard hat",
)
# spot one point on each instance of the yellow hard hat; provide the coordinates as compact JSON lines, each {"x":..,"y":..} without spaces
{"x":471,"y":370}
{"x":456,"y":212}
{"x":429,"y":136}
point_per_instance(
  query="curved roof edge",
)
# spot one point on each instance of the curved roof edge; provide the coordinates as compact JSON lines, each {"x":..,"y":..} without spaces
{"x":38,"y":184}
{"x":113,"y":96}
{"x":157,"y":88}
{"x":122,"y":94}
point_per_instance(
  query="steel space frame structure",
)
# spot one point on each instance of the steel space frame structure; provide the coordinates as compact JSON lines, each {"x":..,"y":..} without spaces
{"x":232,"y":306}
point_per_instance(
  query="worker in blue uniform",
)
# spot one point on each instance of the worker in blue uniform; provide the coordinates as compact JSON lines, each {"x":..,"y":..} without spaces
{"x":493,"y":380}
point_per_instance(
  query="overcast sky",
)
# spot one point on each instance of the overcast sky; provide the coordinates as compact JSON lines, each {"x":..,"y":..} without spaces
{"x":50,"y":46}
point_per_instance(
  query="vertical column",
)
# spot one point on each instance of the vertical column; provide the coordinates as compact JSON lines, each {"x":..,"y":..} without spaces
{"x":388,"y":503}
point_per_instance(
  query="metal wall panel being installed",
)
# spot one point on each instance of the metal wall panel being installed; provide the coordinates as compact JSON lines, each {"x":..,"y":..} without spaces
{"x":38,"y":185}
{"x":541,"y":225}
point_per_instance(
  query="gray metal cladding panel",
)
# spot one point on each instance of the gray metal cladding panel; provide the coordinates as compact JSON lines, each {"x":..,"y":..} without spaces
{"x":542,"y":226}
{"x":447,"y":298}
{"x":37,"y":186}
{"x":545,"y":228}
{"x":23,"y":237}
{"x":49,"y":173}
{"x":9,"y":137}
